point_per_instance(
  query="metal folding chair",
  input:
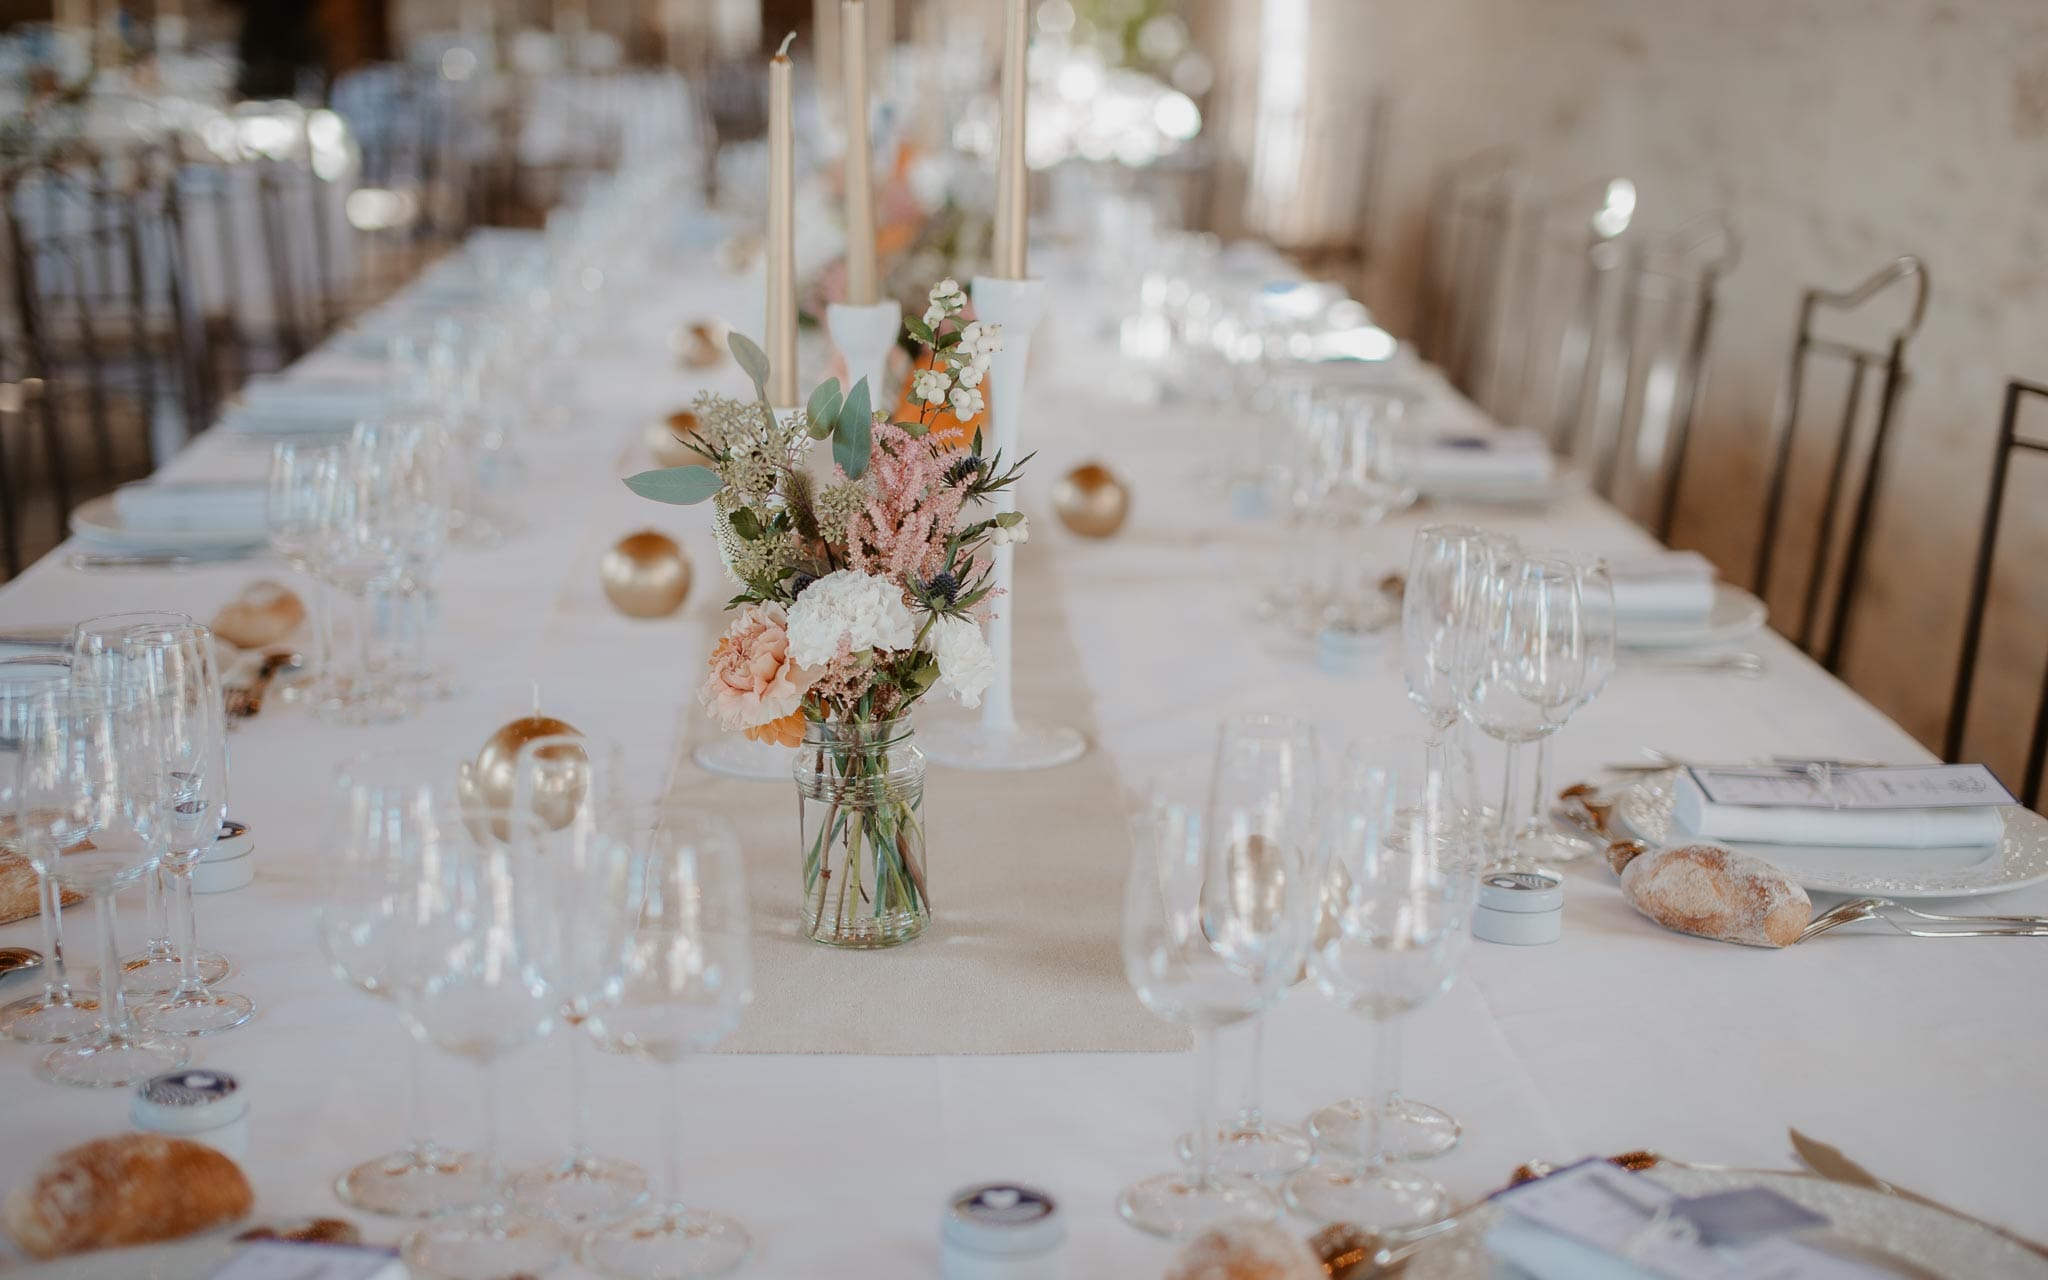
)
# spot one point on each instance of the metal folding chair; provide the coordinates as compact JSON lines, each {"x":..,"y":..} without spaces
{"x":2011,"y":440}
{"x":1888,"y":363}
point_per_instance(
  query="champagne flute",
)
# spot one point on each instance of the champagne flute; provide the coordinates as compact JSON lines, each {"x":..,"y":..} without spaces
{"x":74,"y":780}
{"x":1527,"y":665}
{"x":1448,"y":567}
{"x":1540,"y":838}
{"x":96,"y":659}
{"x":292,"y":516}
{"x":359,"y":550}
{"x":55,"y":1016}
{"x":688,"y":980}
{"x":370,"y":882}
{"x":1262,"y":800}
{"x":1400,"y":885}
{"x":575,"y":801}
{"x":476,"y":978}
{"x":178,"y":788}
{"x":1212,"y":935}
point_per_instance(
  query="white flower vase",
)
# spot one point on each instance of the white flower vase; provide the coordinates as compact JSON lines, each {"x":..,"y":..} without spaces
{"x":865,"y":336}
{"x":1000,"y":740}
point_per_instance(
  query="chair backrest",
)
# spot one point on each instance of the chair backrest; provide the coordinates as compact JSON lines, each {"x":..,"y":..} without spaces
{"x":1887,"y":362}
{"x":104,"y":303}
{"x":2011,"y":440}
{"x":1470,"y":214}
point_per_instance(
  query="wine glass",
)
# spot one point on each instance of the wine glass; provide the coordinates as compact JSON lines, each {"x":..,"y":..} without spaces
{"x":1262,"y":795}
{"x":1214,"y":931}
{"x":370,"y":882}
{"x":1448,"y":566}
{"x":55,"y":1016}
{"x":292,"y":515}
{"x":1539,"y":838}
{"x":1525,"y":664}
{"x":177,"y":790}
{"x":1362,"y":447}
{"x":1395,"y":1125}
{"x":477,"y":976}
{"x":96,"y":659}
{"x":359,"y":549}
{"x":575,"y":800}
{"x":688,"y":980}
{"x":74,"y":780}
{"x":1400,"y":885}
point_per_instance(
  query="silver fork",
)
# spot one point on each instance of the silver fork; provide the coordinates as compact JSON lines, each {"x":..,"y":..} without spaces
{"x":1908,"y":920}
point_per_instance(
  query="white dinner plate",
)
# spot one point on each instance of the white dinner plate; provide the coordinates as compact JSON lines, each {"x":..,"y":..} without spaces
{"x":98,"y":521}
{"x":2020,"y":859}
{"x":177,"y":1260}
{"x":1735,"y":614}
{"x":1938,"y":1242}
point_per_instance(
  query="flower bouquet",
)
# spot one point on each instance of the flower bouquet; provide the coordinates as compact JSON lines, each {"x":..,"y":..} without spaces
{"x":864,"y":584}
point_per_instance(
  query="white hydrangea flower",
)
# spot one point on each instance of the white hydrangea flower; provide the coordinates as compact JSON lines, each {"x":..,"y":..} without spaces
{"x":930,"y":386}
{"x":965,"y":402}
{"x":861,"y":609}
{"x":966,"y":667}
{"x":1019,"y":532}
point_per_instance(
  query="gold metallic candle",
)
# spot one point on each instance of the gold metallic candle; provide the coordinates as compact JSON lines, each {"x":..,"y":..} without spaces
{"x":861,"y":287}
{"x":781,"y":338}
{"x":1013,"y":208}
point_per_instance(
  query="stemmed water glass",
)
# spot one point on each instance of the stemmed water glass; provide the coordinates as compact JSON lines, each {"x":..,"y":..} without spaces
{"x":292,"y":515}
{"x":1214,"y":930}
{"x":359,"y":548}
{"x":55,"y":1016}
{"x":1262,"y":797}
{"x":479,"y":975}
{"x":74,"y":783}
{"x":96,"y":659}
{"x":1448,"y":567}
{"x":1400,"y":884}
{"x":1540,"y":838}
{"x":177,"y":788}
{"x":575,"y":799}
{"x":1524,"y":667}
{"x":1361,"y":445}
{"x":371,"y":878}
{"x":688,"y":979}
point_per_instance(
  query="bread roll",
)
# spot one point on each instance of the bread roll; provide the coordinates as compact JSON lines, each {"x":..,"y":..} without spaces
{"x":1246,"y":1251}
{"x":1711,"y":892}
{"x":133,"y":1189}
{"x":19,"y":896}
{"x":265,"y":613}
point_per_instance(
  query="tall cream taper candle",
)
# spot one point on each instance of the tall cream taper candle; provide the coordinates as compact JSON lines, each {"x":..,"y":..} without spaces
{"x":781,"y":336}
{"x":862,"y":286}
{"x":1013,"y":206}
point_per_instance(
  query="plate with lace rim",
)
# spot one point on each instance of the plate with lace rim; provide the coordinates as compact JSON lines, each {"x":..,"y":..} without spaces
{"x":2021,"y":858}
{"x":1939,"y":1242}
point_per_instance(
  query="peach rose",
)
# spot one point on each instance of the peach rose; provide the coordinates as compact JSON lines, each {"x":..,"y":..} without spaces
{"x":752,"y":682}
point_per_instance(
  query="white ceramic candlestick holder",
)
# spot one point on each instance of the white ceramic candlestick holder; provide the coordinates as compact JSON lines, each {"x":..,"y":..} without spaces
{"x":865,"y":336}
{"x":999,"y":740}
{"x":737,"y":756}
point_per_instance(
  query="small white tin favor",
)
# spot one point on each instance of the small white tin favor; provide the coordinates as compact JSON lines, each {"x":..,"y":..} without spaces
{"x":1002,"y":1231}
{"x":1520,"y":908}
{"x":227,"y":863}
{"x":205,"y":1106}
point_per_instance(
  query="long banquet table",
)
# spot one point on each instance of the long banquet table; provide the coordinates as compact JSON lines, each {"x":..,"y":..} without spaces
{"x":1922,"y":1058}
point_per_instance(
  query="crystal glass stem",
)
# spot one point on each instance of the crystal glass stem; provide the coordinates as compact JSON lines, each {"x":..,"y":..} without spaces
{"x":56,"y":984}
{"x":1250,"y":1111}
{"x":1384,"y":1081}
{"x":672,"y":1135}
{"x":1535,"y":822}
{"x":185,"y":930}
{"x":1507,"y":805}
{"x":579,"y":1106}
{"x":155,"y":920}
{"x":1205,"y":1109}
{"x":323,"y":628}
{"x":113,"y":1001}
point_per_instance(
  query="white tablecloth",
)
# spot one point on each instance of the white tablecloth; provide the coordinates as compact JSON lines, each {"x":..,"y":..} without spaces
{"x":1923,"y":1058}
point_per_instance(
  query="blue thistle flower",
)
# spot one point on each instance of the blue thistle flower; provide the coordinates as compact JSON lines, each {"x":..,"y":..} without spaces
{"x":944,"y":586}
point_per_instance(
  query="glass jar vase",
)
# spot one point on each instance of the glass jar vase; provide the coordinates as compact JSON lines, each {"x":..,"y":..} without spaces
{"x":860,"y":789}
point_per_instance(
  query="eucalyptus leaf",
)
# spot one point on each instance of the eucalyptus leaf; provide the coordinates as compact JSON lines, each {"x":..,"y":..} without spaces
{"x":750,"y":357}
{"x":746,"y":524}
{"x":823,"y":410}
{"x":855,"y":438}
{"x":677,"y":486}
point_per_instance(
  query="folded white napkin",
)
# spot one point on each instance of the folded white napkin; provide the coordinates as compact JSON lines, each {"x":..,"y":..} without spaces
{"x":322,"y":399}
{"x":1539,"y":1253}
{"x":1696,"y":815}
{"x":1513,"y":461}
{"x":1674,"y":584}
{"x":191,"y":506}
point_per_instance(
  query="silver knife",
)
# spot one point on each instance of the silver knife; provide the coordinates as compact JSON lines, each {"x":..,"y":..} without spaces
{"x":1830,"y":1163}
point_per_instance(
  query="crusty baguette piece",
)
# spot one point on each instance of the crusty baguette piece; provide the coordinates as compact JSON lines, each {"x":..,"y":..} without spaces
{"x":265,"y":613}
{"x":1711,"y":892}
{"x":131,"y":1189}
{"x":18,"y":895}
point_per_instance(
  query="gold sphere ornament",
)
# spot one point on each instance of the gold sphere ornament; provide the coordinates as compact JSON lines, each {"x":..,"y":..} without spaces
{"x":669,"y":440}
{"x":494,"y":780}
{"x":646,"y":575}
{"x":1091,"y":501}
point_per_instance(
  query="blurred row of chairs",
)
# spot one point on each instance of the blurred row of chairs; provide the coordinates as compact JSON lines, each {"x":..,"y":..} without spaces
{"x":1559,"y":310}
